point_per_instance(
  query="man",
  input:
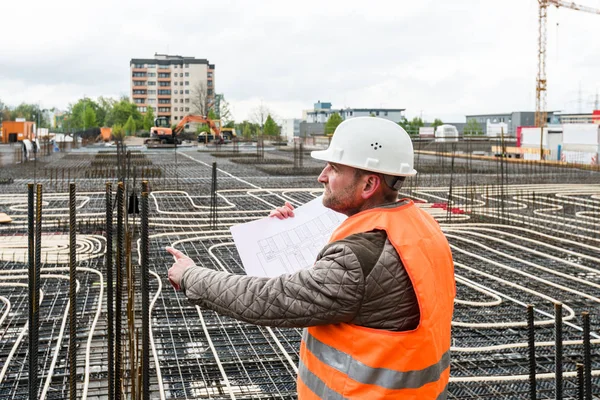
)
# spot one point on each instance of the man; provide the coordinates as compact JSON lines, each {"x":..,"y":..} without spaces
{"x":377,"y":303}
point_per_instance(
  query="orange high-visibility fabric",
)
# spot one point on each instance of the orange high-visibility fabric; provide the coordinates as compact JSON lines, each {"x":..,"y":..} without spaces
{"x":426,"y":256}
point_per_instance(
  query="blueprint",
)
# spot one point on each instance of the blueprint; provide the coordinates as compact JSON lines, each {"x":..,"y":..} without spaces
{"x":271,"y":247}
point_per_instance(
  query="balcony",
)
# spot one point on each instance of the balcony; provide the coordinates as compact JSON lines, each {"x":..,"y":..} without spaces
{"x":164,"y":113}
{"x":164,"y":79}
{"x":139,"y":70}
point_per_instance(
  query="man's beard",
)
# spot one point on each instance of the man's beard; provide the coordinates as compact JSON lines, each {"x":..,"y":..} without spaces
{"x":343,"y":201}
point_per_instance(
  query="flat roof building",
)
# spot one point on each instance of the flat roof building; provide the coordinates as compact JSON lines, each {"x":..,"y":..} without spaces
{"x":322,"y":112}
{"x":174,"y":86}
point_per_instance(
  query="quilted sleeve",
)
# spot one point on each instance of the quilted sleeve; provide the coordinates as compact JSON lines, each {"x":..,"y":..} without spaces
{"x":329,"y":292}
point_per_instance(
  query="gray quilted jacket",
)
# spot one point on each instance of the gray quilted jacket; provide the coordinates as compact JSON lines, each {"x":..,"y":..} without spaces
{"x":358,"y":280}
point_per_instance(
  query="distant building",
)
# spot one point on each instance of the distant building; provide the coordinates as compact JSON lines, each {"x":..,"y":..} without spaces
{"x":322,"y":112}
{"x":577,"y":118}
{"x":167,"y":83}
{"x":290,"y":128}
{"x":513,"y":120}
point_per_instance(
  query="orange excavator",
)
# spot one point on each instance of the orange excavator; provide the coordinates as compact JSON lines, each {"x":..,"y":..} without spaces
{"x":161,"y":134}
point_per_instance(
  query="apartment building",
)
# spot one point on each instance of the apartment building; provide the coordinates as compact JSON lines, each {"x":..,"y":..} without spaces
{"x":169,"y":84}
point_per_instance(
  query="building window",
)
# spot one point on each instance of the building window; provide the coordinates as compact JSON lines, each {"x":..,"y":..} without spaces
{"x":210,"y":75}
{"x":187,"y":83}
{"x":151,"y":83}
{"x":151,"y":101}
{"x":175,"y":109}
{"x":175,"y":118}
{"x":164,"y":101}
{"x":187,"y":74}
{"x":187,"y":100}
{"x":175,"y":100}
{"x":139,"y":74}
{"x":175,"y":66}
{"x":164,"y":84}
{"x":164,"y":75}
{"x":209,"y":83}
{"x":187,"y":66}
{"x":187,"y":91}
{"x":152,"y":74}
{"x":139,"y":83}
{"x":138,"y":65}
{"x":209,"y":92}
{"x":174,"y":83}
{"x":187,"y":109}
{"x":151,"y":65}
{"x":164,"y":109}
{"x":151,"y":91}
{"x":163,"y":92}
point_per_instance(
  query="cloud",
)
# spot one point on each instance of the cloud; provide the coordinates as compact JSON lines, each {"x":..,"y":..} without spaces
{"x":434,"y":58}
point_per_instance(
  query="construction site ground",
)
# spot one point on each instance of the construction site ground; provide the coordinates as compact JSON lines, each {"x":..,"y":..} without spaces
{"x":521,"y":233}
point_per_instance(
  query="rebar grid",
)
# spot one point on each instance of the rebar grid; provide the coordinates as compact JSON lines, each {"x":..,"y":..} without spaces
{"x":251,"y":357}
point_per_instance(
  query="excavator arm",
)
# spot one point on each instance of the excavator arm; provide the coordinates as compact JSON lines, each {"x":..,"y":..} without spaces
{"x":199,"y":119}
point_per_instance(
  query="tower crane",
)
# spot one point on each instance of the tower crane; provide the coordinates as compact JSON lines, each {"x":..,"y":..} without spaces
{"x":541,"y":84}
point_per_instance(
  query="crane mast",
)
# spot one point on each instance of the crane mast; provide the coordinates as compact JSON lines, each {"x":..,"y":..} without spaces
{"x":541,"y":84}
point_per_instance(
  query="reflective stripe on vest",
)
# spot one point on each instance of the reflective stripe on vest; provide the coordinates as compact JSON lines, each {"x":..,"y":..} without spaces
{"x":362,"y":373}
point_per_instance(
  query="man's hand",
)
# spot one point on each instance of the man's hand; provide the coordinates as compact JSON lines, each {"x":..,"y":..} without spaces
{"x":182,"y":262}
{"x":284,"y":212}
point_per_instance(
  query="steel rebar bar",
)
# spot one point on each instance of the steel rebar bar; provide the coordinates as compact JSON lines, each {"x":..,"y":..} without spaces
{"x":558,"y":350}
{"x":109,"y":291}
{"x":119,"y":289}
{"x":587,"y":355}
{"x":145,"y":299}
{"x":531,"y":351}
{"x":72,"y":294}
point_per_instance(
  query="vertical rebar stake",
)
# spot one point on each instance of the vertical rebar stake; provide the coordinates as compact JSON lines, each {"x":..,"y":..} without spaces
{"x":531,"y":348}
{"x":144,"y":245}
{"x":33,"y":296}
{"x":119,"y":293}
{"x":587,"y":355}
{"x":72,"y":295}
{"x":580,"y":382}
{"x":213,"y":198}
{"x":109,"y":292}
{"x":558,"y":349}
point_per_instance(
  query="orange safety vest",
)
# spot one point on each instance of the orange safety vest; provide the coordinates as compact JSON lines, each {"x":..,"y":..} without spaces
{"x":344,"y":361}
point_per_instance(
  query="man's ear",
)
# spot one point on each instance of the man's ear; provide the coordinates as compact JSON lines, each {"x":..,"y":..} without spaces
{"x":371,"y":184}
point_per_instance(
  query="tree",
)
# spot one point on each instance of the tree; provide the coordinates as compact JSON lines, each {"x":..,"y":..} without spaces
{"x":436,"y":122}
{"x":130,"y":127}
{"x":105,"y":106}
{"x":224,"y":112}
{"x":89,"y":118}
{"x":148,"y":118}
{"x":121,"y":112}
{"x":199,"y":99}
{"x":212,"y":115}
{"x":77,"y":113}
{"x":271,"y":128}
{"x":472,"y":128}
{"x":259,"y":115}
{"x":247,"y":132}
{"x":332,"y":122}
{"x":412,"y":127}
{"x":118,"y":132}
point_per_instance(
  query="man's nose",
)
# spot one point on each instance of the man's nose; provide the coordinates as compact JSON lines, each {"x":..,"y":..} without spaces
{"x":323,"y":176}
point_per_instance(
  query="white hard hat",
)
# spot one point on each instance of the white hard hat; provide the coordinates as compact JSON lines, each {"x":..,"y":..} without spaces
{"x":372,"y":144}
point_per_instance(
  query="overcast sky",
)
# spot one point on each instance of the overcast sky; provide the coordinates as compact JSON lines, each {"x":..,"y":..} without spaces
{"x":435,"y":58}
